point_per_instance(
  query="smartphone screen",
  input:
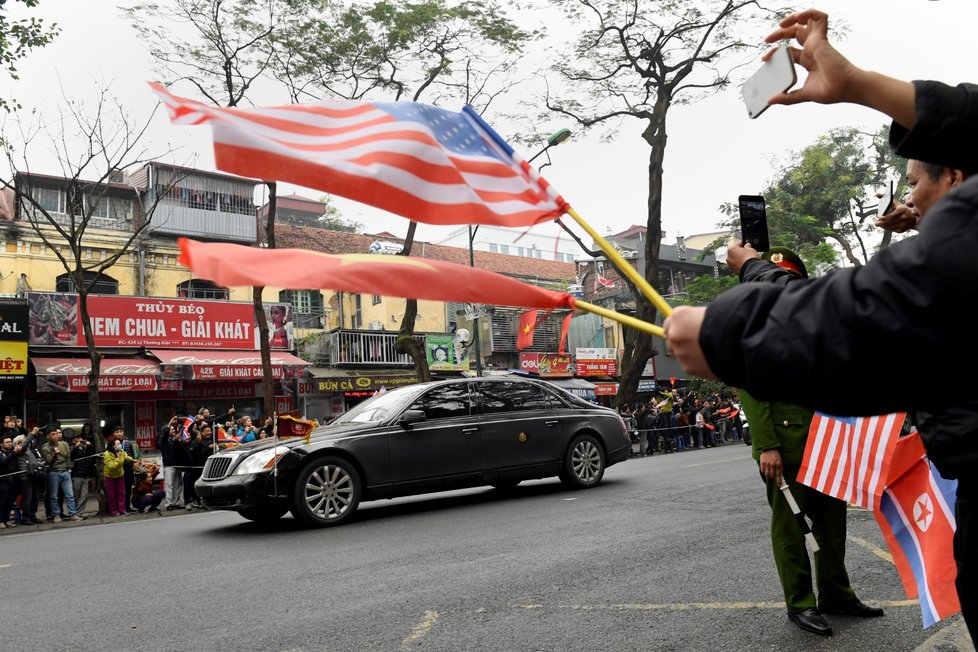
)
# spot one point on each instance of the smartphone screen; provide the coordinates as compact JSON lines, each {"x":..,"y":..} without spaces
{"x":753,"y":222}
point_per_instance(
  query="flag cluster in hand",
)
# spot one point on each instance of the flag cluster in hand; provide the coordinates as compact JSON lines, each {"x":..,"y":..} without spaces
{"x":864,"y":461}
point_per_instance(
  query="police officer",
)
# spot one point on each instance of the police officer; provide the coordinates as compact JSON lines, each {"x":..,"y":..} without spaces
{"x":779,"y":432}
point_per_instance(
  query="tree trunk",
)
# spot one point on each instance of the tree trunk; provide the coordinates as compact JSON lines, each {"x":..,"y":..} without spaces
{"x":94,"y":407}
{"x":641,"y":347}
{"x":268,"y":383}
{"x":406,"y":342}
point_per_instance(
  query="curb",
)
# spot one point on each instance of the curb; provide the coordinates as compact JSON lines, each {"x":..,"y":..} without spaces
{"x":97,"y":519}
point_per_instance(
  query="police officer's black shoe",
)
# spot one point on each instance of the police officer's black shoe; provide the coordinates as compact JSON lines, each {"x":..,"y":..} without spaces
{"x":812,"y":621}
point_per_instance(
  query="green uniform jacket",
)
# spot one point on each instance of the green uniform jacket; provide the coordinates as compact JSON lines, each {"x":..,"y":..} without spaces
{"x":783,"y":426}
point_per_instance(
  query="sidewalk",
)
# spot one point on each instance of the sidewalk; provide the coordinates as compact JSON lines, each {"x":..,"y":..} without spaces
{"x":953,"y":637}
{"x":93,"y":518}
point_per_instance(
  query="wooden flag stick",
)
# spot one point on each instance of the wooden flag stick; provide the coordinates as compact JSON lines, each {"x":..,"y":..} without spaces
{"x":624,"y":267}
{"x":626,"y":320}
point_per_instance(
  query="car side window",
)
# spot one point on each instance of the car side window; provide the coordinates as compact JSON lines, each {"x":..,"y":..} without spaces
{"x":445,"y":402}
{"x":510,"y":396}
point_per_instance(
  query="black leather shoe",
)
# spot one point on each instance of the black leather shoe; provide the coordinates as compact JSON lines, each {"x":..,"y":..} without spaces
{"x":812,"y":621}
{"x":855,"y":609}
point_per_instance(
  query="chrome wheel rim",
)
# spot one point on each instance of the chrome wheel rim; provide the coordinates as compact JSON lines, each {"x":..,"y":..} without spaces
{"x":586,"y":461}
{"x":329,"y":492}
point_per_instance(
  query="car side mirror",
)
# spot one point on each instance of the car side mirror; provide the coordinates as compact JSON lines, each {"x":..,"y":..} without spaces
{"x":412,"y":416}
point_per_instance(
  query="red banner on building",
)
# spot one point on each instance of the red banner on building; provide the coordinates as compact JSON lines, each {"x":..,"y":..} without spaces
{"x":146,"y":424}
{"x":605,"y":389}
{"x":115,"y":375}
{"x":548,"y":365}
{"x":118,"y":321}
{"x":220,"y":365}
{"x":596,"y":362}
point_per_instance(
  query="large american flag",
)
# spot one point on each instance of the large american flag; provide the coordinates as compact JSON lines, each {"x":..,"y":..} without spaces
{"x":848,"y":457}
{"x":425,"y":163}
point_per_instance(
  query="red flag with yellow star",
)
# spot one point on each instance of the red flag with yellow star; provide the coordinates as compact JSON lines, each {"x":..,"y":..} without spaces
{"x":528,"y":321}
{"x":409,"y":277}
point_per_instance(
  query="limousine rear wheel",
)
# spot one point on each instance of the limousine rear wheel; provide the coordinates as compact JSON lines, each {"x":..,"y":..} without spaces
{"x":327,"y":492}
{"x":584,"y":463}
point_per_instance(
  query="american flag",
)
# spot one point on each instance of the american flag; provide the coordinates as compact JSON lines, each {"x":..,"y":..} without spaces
{"x":423,"y":162}
{"x":848,"y":457}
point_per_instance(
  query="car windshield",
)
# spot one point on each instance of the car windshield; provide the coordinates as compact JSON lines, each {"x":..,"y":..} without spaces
{"x":380,"y":408}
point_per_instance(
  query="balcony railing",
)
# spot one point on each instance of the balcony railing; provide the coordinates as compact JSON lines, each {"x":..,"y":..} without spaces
{"x":366,"y":348}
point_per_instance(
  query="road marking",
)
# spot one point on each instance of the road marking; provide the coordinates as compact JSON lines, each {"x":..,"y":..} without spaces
{"x":729,"y":459}
{"x":421,"y":629}
{"x":5,"y":565}
{"x":570,"y":498}
{"x":873,"y":548}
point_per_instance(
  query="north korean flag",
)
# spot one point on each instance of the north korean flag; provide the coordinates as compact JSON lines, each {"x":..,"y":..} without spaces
{"x":916,"y":515}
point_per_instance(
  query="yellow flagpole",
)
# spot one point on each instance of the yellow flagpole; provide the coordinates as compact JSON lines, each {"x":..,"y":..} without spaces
{"x":625,"y":268}
{"x":627,"y":320}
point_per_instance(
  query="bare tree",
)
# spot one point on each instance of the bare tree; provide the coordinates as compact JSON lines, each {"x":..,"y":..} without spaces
{"x":93,"y":146}
{"x":221,"y":47}
{"x":637,"y":59}
{"x":398,"y":50}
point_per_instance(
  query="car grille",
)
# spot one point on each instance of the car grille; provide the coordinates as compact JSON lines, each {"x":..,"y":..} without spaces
{"x":217,"y":467}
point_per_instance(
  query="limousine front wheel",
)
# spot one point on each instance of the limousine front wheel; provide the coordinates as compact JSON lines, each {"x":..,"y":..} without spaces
{"x":327,"y":492}
{"x":584,"y":463}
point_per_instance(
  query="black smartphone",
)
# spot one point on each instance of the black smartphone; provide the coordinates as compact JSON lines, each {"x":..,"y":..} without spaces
{"x":753,"y":222}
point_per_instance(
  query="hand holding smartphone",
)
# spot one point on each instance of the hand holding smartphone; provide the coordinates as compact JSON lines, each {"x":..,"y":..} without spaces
{"x":775,"y":76}
{"x":753,"y":222}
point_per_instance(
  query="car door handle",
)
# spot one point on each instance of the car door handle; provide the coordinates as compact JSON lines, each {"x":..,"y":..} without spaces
{"x":552,"y":422}
{"x":469,"y":431}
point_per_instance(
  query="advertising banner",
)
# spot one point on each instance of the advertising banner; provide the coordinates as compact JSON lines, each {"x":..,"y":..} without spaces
{"x":117,"y":321}
{"x":13,"y":341}
{"x":596,"y":361}
{"x":13,"y":359}
{"x":145,"y":424}
{"x":221,"y":365}
{"x":605,"y":389}
{"x":118,"y":375}
{"x":548,"y":365}
{"x":445,"y":354}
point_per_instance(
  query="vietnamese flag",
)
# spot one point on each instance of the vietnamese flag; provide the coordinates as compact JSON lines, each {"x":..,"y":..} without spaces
{"x":528,"y":322}
{"x":409,"y":277}
{"x":564,"y":328}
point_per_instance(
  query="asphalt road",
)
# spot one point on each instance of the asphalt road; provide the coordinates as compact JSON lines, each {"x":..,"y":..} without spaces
{"x":670,"y":553}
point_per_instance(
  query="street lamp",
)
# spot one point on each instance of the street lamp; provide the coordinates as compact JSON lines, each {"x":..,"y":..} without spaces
{"x":555,"y":139}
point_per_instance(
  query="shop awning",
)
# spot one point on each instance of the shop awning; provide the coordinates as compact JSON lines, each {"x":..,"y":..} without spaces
{"x":115,"y":374}
{"x":575,"y":386}
{"x":331,"y":379}
{"x":225,"y":365}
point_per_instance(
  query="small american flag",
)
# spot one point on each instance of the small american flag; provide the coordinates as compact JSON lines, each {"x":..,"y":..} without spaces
{"x":422,"y":162}
{"x":848,"y":457}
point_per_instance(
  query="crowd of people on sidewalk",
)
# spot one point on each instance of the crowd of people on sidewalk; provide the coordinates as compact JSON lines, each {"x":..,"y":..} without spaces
{"x":676,"y":420}
{"x":56,"y":468}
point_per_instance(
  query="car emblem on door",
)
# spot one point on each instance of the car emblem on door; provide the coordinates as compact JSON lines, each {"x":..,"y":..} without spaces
{"x":522,"y":437}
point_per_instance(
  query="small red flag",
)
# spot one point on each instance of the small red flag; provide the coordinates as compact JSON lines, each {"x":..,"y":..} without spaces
{"x":564,"y":327}
{"x":528,"y":322}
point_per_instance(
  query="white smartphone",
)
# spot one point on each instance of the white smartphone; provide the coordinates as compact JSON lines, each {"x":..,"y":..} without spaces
{"x":776,"y":76}
{"x":886,"y":201}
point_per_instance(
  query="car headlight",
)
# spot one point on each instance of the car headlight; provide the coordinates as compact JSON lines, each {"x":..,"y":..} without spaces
{"x":261,"y":461}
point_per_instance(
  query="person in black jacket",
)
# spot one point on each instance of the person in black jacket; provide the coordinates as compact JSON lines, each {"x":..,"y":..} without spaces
{"x":838,"y":338}
{"x":83,"y":469}
{"x":201,"y":447}
{"x":175,"y":458}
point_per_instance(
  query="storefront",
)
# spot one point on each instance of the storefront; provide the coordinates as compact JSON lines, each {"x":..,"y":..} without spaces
{"x":13,"y":357}
{"x":162,"y":357}
{"x":333,"y":391}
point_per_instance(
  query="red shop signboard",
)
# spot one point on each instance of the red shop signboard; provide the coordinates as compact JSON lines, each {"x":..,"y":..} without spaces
{"x":548,"y":365}
{"x":118,"y":321}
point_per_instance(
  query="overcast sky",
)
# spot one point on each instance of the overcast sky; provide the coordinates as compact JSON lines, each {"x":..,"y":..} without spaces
{"x":714,"y":153}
